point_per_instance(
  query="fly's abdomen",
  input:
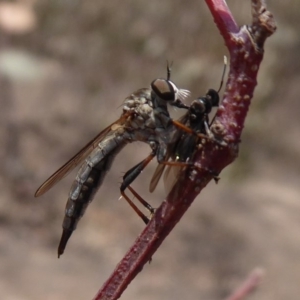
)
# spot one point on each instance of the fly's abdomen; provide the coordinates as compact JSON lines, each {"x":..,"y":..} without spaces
{"x":82,"y":194}
{"x":87,"y":182}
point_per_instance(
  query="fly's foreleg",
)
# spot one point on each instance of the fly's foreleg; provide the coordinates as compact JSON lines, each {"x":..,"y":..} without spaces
{"x":208,"y":136}
{"x":128,"y":178}
{"x":191,"y":165}
{"x":188,"y":130}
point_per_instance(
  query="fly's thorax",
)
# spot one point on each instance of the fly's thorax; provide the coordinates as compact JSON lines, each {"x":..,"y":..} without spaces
{"x":118,"y":129}
{"x":142,"y":118}
{"x":139,"y":97}
{"x":140,"y":105}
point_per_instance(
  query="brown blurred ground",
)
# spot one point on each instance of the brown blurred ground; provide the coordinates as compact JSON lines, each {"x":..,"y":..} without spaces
{"x":65,"y":67}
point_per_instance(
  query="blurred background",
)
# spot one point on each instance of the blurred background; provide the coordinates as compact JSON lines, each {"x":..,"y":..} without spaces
{"x":65,"y":68}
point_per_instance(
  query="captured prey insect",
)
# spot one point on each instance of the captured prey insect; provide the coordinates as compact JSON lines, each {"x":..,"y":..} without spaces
{"x":184,"y":144}
{"x":145,"y":118}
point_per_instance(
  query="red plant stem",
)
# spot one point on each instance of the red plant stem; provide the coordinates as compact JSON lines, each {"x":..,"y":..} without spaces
{"x":245,"y":46}
{"x":248,"y":286}
{"x":223,"y":18}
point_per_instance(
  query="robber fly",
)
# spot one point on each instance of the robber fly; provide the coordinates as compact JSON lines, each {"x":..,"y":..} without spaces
{"x":145,"y":118}
{"x":184,"y":144}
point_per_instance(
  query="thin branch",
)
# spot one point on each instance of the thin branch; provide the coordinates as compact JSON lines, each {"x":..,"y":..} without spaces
{"x":223,"y":18}
{"x":248,"y":286}
{"x":246,"y":52}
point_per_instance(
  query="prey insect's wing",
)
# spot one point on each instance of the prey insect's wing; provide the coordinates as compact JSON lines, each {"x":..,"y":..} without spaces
{"x":79,"y":157}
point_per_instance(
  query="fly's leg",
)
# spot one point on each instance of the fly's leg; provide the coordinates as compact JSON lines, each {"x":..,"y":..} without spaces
{"x":208,"y":136}
{"x":135,"y":208}
{"x":188,"y":130}
{"x":179,"y":104}
{"x":142,"y":201}
{"x":213,"y":173}
{"x":176,"y":163}
{"x":128,"y":178}
{"x":192,"y":165}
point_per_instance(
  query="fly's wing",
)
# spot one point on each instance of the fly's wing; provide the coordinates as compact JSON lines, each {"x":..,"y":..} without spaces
{"x":156,"y":176}
{"x":184,"y":153}
{"x":79,"y":157}
{"x":171,"y":152}
{"x":171,"y":176}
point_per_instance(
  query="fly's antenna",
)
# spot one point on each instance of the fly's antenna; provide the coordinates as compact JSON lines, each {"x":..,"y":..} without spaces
{"x":223,"y":74}
{"x":214,"y":96}
{"x":169,"y":68}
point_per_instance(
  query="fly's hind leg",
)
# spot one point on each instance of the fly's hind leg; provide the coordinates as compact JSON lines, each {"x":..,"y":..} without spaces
{"x":128,"y":178}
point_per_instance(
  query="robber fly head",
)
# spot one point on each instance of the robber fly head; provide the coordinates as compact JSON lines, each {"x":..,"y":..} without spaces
{"x":166,"y":90}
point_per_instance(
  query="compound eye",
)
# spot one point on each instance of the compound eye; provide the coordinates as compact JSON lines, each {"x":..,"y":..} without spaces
{"x":163,"y":89}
